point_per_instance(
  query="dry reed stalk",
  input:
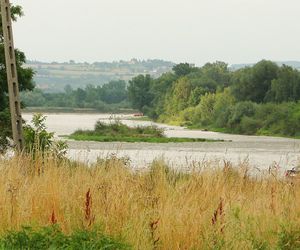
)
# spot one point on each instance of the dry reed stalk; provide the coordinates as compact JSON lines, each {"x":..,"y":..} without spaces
{"x":12,"y":190}
{"x":89,"y":218}
{"x":124,"y":202}
{"x":219,"y":215}
{"x":153,"y":230}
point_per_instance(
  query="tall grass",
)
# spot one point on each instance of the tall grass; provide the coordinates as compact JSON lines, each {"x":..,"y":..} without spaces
{"x":205,"y":208}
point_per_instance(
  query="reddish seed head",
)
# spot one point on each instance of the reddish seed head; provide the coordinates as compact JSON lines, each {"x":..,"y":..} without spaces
{"x":88,"y":205}
{"x":53,"y":218}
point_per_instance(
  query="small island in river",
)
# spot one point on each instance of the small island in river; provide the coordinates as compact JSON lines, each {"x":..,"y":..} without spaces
{"x":117,"y":131}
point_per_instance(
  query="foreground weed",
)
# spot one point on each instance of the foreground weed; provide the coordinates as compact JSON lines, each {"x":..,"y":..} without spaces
{"x":53,"y":238}
{"x":289,"y":239}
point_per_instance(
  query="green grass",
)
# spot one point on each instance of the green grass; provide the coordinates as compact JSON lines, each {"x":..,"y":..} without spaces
{"x":117,"y":131}
{"x":261,"y":132}
{"x":103,"y":138}
{"x":53,"y":238}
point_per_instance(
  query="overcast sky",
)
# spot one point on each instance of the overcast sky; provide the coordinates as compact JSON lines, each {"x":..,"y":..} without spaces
{"x":195,"y":31}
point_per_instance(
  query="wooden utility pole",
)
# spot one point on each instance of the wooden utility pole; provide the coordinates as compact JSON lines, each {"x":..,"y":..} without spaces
{"x":12,"y":77}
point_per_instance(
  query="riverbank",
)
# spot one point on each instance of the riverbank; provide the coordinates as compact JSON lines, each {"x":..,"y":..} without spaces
{"x":209,"y":206}
{"x":211,"y":128}
{"x":103,"y":138}
{"x":229,"y":132}
{"x":71,"y":110}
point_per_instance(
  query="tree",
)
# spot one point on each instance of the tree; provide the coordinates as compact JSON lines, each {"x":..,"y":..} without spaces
{"x":178,"y":100}
{"x":159,"y":88}
{"x":183,"y":69}
{"x":25,"y":80}
{"x":80,"y":96}
{"x":218,"y":72}
{"x":287,"y":86}
{"x":223,"y":108}
{"x":254,"y":84}
{"x":114,"y":92}
{"x":33,"y":98}
{"x":139,"y":92}
{"x":241,"y":110}
{"x":203,"y":114}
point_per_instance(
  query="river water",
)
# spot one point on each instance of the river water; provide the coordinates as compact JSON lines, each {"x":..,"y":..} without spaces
{"x":260,"y":152}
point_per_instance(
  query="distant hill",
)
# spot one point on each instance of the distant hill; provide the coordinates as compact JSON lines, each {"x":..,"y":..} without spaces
{"x":53,"y":77}
{"x":294,"y":64}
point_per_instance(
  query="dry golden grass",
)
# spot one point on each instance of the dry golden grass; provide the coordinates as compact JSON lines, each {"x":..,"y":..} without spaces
{"x":207,"y":208}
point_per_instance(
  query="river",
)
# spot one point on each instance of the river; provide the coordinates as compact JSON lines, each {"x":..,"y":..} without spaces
{"x":260,"y":152}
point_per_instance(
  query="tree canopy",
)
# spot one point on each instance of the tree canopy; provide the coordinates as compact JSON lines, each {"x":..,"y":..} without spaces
{"x":214,"y":96}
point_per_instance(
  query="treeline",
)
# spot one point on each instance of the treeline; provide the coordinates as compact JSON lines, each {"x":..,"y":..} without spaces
{"x":106,"y":98}
{"x":262,"y":99}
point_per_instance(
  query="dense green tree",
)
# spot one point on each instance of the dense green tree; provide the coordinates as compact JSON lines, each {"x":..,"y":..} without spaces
{"x":139,"y":92}
{"x":254,"y":83}
{"x":159,"y":89}
{"x":80,"y":96}
{"x":218,"y":72}
{"x":91,"y":93}
{"x":287,"y":86}
{"x":206,"y":108}
{"x":25,"y":80}
{"x":114,"y":92}
{"x":203,"y":83}
{"x":33,"y":98}
{"x":195,"y":96}
{"x":178,"y":99}
{"x":183,"y":69}
{"x":223,"y":107}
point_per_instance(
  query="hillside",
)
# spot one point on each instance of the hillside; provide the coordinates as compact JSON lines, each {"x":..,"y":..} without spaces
{"x":53,"y":77}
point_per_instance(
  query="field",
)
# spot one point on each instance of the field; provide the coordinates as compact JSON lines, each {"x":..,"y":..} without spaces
{"x":207,"y":207}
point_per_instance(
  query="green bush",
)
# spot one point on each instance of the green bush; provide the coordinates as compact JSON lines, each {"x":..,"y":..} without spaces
{"x":240,"y":110}
{"x":38,"y":139}
{"x":249,"y":125}
{"x":53,"y":238}
{"x":289,"y":239}
{"x":279,"y":119}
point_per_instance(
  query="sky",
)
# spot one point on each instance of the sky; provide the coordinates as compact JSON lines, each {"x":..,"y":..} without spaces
{"x":194,"y":31}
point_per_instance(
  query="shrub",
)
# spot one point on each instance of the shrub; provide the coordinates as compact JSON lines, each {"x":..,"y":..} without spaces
{"x":240,"y":110}
{"x":289,"y":239}
{"x":38,"y":139}
{"x":249,"y":125}
{"x":53,"y":238}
